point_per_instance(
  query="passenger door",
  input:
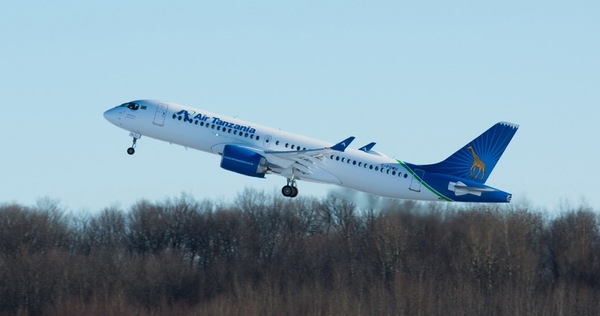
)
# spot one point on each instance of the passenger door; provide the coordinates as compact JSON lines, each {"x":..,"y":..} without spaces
{"x":161,"y":114}
{"x":415,"y":182}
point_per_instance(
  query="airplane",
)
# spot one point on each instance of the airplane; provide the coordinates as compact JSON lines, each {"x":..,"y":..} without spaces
{"x":254,"y":150}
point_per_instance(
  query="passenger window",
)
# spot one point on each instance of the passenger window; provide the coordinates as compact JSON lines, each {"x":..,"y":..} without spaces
{"x":337,"y":158}
{"x":257,"y":137}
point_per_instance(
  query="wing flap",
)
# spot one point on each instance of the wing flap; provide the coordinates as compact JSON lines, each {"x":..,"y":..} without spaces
{"x":306,"y":162}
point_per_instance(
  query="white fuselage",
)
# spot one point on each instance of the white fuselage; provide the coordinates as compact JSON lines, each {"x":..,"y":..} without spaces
{"x":365,"y":171}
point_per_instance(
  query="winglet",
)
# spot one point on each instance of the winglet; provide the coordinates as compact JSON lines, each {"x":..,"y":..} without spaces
{"x":367,"y":147}
{"x":341,"y":146}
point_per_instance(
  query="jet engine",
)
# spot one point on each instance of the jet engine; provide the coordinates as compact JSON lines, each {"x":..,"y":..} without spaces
{"x":243,"y":161}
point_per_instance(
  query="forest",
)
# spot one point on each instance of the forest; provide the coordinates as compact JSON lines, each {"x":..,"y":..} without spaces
{"x":261,"y":254}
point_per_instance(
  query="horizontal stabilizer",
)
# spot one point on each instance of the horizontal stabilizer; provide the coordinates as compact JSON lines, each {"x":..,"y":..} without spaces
{"x":341,"y":146}
{"x":460,"y":188}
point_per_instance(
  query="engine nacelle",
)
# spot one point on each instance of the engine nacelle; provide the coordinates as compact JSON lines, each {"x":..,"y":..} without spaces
{"x":243,"y":161}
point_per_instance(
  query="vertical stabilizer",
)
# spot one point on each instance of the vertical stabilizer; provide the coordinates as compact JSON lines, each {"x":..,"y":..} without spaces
{"x":476,"y":160}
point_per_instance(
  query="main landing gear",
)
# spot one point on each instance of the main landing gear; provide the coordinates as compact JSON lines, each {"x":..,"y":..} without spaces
{"x":290,"y":190}
{"x":135,"y":136}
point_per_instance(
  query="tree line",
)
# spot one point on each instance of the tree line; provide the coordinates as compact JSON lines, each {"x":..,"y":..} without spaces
{"x":265,"y":255}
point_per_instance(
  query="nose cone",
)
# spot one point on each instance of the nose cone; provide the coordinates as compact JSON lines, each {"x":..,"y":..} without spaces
{"x":114,"y":115}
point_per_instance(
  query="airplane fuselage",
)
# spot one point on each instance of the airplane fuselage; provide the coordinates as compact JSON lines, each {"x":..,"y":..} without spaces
{"x":290,"y":155}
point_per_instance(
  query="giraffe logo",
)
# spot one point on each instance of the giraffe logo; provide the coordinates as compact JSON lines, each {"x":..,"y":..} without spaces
{"x":478,"y":166}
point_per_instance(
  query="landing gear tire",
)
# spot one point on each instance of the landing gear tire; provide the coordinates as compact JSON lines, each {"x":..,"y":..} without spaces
{"x":131,"y":150}
{"x":289,"y":191}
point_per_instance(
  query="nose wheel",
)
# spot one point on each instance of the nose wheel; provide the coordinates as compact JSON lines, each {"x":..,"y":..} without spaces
{"x":290,"y":190}
{"x":131,"y":150}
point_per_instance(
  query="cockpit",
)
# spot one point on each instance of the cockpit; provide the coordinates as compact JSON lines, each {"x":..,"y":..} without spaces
{"x":131,"y":105}
{"x":125,"y":111}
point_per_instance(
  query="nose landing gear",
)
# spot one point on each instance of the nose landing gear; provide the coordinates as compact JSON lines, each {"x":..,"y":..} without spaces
{"x":135,"y":136}
{"x":131,"y":150}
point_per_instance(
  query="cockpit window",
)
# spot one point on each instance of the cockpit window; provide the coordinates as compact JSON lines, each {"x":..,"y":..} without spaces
{"x":131,"y":105}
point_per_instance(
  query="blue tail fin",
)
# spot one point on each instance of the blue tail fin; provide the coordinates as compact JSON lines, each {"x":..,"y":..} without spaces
{"x":476,"y":160}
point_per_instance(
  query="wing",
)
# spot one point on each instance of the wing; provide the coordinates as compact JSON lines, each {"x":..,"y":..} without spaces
{"x":298,"y":164}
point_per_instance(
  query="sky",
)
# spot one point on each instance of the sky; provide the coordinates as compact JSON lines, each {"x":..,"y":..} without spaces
{"x":420,"y":78}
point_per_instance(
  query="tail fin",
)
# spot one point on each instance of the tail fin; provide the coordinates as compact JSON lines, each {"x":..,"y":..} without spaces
{"x":476,"y":160}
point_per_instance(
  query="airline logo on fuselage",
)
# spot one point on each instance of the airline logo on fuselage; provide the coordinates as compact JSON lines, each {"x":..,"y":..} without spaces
{"x":191,"y":116}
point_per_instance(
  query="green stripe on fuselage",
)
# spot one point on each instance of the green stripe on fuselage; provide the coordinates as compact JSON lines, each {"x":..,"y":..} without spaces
{"x":423,"y":182}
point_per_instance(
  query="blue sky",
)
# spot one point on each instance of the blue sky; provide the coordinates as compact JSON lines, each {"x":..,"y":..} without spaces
{"x":421,"y":78}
